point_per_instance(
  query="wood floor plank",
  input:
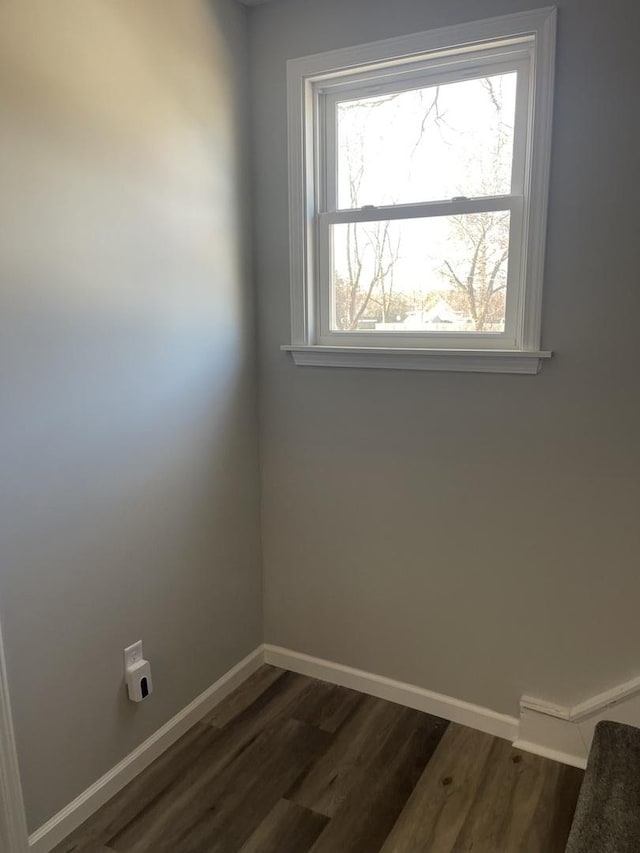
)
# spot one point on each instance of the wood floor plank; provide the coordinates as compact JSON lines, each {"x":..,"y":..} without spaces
{"x":329,"y":781}
{"x":140,"y":793}
{"x":436,"y":810}
{"x":326,"y":706}
{"x":244,"y":696}
{"x":551,"y":821}
{"x":502,"y":815}
{"x":175,"y":803}
{"x":288,"y":828}
{"x":245,"y":792}
{"x":383,"y":786}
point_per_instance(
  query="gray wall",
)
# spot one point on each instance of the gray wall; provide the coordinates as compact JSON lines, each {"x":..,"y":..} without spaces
{"x":128,"y":499}
{"x":474,"y":534}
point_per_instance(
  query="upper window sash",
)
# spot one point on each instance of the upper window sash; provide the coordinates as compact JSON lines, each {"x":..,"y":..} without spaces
{"x":327,"y":100}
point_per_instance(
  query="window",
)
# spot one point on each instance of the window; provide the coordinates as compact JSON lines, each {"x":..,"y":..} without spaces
{"x":418,"y":185}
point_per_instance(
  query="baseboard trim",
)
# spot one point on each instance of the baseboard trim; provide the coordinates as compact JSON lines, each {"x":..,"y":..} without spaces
{"x":553,"y":754}
{"x":590,"y":707}
{"x":539,"y":706}
{"x":552,"y":734}
{"x":565,"y":732}
{"x":605,"y":700}
{"x":410,"y":695}
{"x":72,"y":816}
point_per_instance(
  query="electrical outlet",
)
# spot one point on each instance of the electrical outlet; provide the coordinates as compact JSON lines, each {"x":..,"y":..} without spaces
{"x":132,"y":654}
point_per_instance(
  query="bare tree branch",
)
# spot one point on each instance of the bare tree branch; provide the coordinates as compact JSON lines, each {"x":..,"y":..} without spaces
{"x":433,"y":107}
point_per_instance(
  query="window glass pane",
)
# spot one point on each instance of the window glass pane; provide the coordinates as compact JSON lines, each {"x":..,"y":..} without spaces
{"x":427,"y":144}
{"x":440,"y":274}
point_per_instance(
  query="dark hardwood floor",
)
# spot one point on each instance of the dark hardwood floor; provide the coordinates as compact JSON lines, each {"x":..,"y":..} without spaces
{"x":287,"y":764}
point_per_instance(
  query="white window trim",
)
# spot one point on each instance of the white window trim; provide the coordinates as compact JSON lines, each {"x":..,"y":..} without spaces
{"x":536,"y":27}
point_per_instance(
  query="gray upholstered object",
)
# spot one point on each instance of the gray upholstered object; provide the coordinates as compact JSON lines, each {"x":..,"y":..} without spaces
{"x":607,"y":818}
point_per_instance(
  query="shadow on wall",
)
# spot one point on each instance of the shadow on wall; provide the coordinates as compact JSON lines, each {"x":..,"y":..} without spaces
{"x":128,"y":505}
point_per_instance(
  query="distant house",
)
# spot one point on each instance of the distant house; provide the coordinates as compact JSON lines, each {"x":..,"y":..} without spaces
{"x":440,"y":317}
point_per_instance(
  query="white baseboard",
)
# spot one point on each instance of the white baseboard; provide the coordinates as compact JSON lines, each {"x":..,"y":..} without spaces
{"x":66,"y":821}
{"x":565,"y":732}
{"x":552,"y":738}
{"x":546,"y":729}
{"x":456,"y":710}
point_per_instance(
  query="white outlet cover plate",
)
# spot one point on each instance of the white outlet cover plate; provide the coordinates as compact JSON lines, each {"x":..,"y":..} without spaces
{"x":133,"y":654}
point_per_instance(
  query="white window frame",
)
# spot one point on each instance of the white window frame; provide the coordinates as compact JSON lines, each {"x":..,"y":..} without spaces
{"x":523,"y":42}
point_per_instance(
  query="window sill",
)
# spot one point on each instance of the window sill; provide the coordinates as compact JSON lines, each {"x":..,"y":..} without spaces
{"x":461,"y":361}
